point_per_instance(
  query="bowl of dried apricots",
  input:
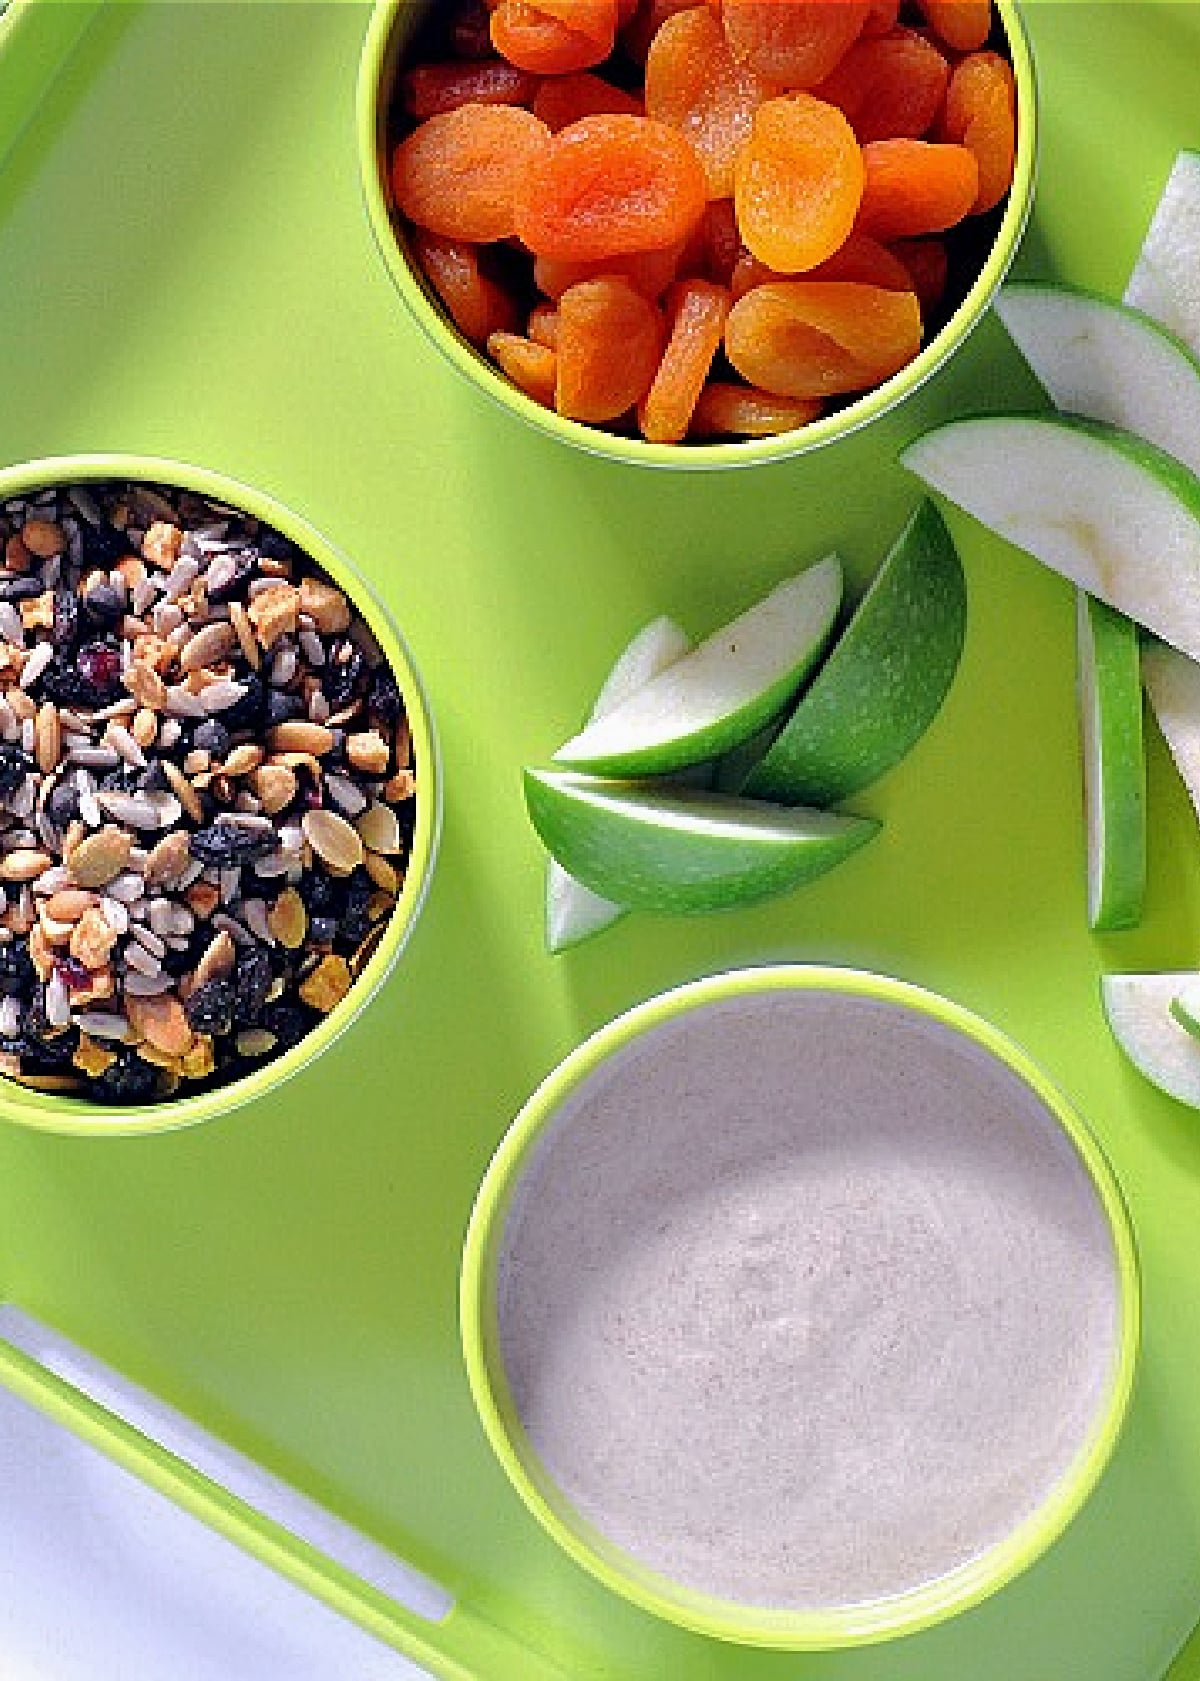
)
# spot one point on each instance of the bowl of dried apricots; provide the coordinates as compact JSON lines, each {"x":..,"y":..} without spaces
{"x":697,"y":233}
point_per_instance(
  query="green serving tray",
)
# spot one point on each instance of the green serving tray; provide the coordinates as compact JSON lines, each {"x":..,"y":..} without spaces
{"x":186,"y":270}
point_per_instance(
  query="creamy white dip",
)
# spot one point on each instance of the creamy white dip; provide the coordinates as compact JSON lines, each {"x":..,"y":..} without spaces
{"x":805,"y":1299}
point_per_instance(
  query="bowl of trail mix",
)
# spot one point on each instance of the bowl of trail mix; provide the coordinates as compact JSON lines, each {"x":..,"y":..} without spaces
{"x":217,"y":800}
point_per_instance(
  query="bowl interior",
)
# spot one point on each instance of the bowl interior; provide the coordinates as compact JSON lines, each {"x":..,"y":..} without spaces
{"x":549,"y":1131}
{"x":55,"y":1113}
{"x":395,"y":29}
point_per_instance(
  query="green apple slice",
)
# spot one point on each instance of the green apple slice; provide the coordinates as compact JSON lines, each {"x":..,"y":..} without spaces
{"x":1172,"y":683}
{"x":1185,"y":1006}
{"x":683,"y":849}
{"x":1138,"y":1008}
{"x":881,"y":687}
{"x":573,"y":912}
{"x":1166,"y":282}
{"x":726,"y":690}
{"x":1108,"y":362}
{"x":1109,"y":511}
{"x":1114,"y":764}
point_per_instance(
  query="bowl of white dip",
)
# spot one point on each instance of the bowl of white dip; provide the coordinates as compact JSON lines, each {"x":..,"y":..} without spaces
{"x":800,"y":1308}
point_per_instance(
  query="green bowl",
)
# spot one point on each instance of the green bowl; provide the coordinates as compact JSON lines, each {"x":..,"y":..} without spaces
{"x":52,"y":1113}
{"x":393,"y":26}
{"x":826,"y":1629}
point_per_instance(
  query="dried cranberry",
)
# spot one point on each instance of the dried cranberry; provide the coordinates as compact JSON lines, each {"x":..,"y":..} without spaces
{"x":75,"y":976}
{"x":99,"y":664}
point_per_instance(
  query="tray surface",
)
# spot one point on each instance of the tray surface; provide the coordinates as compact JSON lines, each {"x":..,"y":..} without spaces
{"x":187,"y":270}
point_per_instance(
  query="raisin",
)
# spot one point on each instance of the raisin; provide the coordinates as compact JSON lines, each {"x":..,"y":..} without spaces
{"x":253,"y":978}
{"x":322,"y":895}
{"x":103,"y":546}
{"x":323,"y":930}
{"x":244,"y":563}
{"x":282,"y":707}
{"x":17,"y":975}
{"x":345,"y":668}
{"x":65,"y":628}
{"x":210,"y":1008}
{"x":62,"y":802}
{"x":15,"y":766}
{"x":127,"y":1080}
{"x":227,"y":842}
{"x":104,"y":606}
{"x":355,"y":922}
{"x":212,"y":737}
{"x":246,"y":713}
{"x":288,"y":1022}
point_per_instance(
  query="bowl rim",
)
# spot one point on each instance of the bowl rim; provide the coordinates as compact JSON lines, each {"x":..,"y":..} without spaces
{"x":839,"y":1628}
{"x":52,"y":1112}
{"x":375,"y":66}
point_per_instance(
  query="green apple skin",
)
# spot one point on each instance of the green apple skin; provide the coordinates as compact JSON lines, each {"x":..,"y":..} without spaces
{"x":1114,"y":764}
{"x":1115,"y":515}
{"x":573,"y":912}
{"x":726,"y":690}
{"x":1138,"y":1010}
{"x":885,"y":680}
{"x":683,"y":850}
{"x":1105,"y":360}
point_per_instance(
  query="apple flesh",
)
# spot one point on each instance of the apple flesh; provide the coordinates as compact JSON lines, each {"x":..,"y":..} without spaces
{"x":1117,"y":516}
{"x":1166,"y":281}
{"x":573,"y":912}
{"x":1108,"y":362}
{"x":722,"y":693}
{"x":1138,"y":1008}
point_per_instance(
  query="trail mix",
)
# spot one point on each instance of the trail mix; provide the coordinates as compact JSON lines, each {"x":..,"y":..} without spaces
{"x":206,"y":793}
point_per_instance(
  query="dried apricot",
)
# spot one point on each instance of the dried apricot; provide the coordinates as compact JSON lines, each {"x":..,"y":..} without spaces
{"x":696,"y":314}
{"x":739,"y":411}
{"x":542,"y":325}
{"x":882,"y":16}
{"x":890,"y":86}
{"x":964,"y":25}
{"x":799,"y":180}
{"x":533,"y":368}
{"x":916,"y":187}
{"x":928,"y":266}
{"x":795,"y":42}
{"x":562,"y":100}
{"x":821,"y":338}
{"x":651,"y":272}
{"x":554,"y":37}
{"x":694,"y":83}
{"x":476,"y":304}
{"x":981,"y":114}
{"x":609,"y":185}
{"x":861,"y":259}
{"x":648,"y":19}
{"x":458,"y":173}
{"x":722,"y":241}
{"x":429,"y":89}
{"x":610,"y":342}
